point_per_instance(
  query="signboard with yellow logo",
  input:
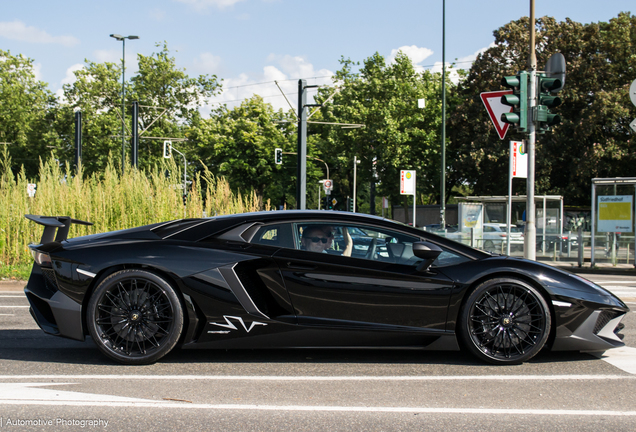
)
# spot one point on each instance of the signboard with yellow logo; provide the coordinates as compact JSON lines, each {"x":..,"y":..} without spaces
{"x":615,"y":213}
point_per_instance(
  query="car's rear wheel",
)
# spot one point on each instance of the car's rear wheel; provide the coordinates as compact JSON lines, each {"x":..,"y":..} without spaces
{"x":504,"y":321}
{"x":489,"y":245}
{"x":135,"y":317}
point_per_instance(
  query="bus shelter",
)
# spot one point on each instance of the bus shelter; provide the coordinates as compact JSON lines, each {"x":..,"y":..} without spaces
{"x":511,"y":211}
{"x":612,"y":215}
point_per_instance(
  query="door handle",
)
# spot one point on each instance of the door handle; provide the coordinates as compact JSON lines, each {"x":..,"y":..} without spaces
{"x":300,"y":266}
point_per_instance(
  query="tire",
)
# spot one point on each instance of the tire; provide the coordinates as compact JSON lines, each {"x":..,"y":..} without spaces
{"x":504,"y":321}
{"x":489,"y":245}
{"x":135,"y":317}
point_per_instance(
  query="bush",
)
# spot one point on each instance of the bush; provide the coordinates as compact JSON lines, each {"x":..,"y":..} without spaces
{"x":110,"y":201}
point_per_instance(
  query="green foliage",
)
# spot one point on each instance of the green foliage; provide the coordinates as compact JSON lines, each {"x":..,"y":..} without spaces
{"x":110,"y":201}
{"x":26,"y":108}
{"x":239,"y":145}
{"x":594,"y":139}
{"x":169,"y":104}
{"x":396,"y":135}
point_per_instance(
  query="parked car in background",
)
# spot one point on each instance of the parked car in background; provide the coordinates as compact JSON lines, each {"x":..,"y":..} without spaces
{"x":495,"y":235}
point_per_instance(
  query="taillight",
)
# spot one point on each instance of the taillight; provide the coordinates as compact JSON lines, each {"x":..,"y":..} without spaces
{"x":41,"y":258}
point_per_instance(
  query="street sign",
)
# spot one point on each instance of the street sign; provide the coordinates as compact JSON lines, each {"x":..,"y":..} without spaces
{"x":31,"y":187}
{"x":492,"y":102}
{"x":632,"y":92}
{"x":327,"y":186}
{"x":407,"y":182}
{"x":633,"y":125}
{"x":519,"y":166}
{"x":334,"y":201}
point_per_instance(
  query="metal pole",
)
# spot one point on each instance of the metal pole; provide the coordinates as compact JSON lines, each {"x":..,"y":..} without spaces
{"x":442,"y":208}
{"x":509,"y":206}
{"x":531,"y":230}
{"x":123,"y":106}
{"x":78,"y":139}
{"x":301,"y":172}
{"x":593,"y":224}
{"x":355,"y":171}
{"x":319,"y":196}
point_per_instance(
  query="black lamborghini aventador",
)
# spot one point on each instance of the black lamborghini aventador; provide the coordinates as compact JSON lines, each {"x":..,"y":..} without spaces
{"x":306,"y":279}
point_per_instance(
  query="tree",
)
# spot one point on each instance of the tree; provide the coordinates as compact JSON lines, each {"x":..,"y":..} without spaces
{"x":397,"y":134}
{"x":594,"y":139}
{"x":26,"y":106}
{"x":239,"y":145}
{"x":168,"y":97}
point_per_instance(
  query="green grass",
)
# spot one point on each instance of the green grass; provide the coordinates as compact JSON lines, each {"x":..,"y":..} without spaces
{"x":110,"y":201}
{"x":15,"y":272}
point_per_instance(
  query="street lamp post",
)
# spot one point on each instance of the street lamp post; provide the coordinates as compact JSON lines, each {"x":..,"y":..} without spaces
{"x":123,"y":96}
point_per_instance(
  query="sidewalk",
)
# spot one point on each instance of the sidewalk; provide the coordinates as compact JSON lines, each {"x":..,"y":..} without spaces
{"x":599,"y":268}
{"x":12,"y":285}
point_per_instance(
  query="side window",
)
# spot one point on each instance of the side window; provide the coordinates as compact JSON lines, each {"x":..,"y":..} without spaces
{"x":278,"y":235}
{"x":357,"y":241}
{"x":447,"y":258}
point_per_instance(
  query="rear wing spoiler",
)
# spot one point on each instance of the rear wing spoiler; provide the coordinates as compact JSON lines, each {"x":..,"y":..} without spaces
{"x":53,"y":223}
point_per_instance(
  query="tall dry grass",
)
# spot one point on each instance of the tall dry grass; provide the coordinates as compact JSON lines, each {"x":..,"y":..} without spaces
{"x":110,"y":201}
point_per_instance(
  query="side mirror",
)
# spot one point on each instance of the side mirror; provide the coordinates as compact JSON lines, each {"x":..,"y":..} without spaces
{"x":428,"y":252}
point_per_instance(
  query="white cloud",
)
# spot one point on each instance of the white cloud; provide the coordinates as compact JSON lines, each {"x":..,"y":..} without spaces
{"x":70,"y":73}
{"x":204,"y":4}
{"x":37,"y":71}
{"x":208,"y":63}
{"x":415,"y":53}
{"x":287,"y":70}
{"x":19,"y":31}
{"x":69,"y":78}
{"x":463,"y":62}
{"x":460,"y":63}
{"x":452,"y":73}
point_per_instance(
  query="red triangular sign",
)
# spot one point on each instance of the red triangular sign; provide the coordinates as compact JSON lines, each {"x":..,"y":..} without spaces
{"x":492,"y":102}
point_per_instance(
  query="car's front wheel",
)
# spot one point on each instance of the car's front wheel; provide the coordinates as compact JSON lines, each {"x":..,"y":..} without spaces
{"x":504,"y":321}
{"x":135,"y":317}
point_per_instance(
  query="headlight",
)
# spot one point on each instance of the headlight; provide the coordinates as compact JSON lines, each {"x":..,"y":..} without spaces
{"x":41,"y":258}
{"x":591,"y":284}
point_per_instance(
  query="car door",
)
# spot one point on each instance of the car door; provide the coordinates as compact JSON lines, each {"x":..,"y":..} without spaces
{"x":376,"y":287}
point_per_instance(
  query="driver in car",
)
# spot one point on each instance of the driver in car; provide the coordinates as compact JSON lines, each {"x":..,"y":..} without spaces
{"x":319,"y":238}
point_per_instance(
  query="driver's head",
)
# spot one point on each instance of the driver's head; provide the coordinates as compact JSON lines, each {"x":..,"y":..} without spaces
{"x":314,"y":239}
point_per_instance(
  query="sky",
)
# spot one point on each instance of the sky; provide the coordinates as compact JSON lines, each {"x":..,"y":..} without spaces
{"x":250,"y":44}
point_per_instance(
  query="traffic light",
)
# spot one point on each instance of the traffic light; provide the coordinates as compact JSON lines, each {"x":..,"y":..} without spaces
{"x":518,"y":100}
{"x":167,"y":149}
{"x":547,"y":86}
{"x":350,"y":205}
{"x":278,"y":156}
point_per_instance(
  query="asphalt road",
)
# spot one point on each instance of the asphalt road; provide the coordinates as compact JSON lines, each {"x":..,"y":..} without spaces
{"x":49,"y":383}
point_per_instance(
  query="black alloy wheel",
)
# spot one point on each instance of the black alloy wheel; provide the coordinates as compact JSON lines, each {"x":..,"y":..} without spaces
{"x":135,"y":317}
{"x":505,"y":321}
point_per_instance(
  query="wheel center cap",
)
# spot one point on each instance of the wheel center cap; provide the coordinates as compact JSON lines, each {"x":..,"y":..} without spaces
{"x":135,"y":316}
{"x":506,"y":321}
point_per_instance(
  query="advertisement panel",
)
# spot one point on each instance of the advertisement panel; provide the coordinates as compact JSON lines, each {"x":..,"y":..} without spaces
{"x":615,"y":213}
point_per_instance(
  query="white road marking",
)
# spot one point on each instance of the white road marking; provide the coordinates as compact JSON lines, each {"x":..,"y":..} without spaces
{"x":31,"y":393}
{"x":12,"y":296}
{"x":324,"y":378}
{"x":623,"y":358}
{"x":322,"y":408}
{"x":7,"y":314}
{"x":602,"y":283}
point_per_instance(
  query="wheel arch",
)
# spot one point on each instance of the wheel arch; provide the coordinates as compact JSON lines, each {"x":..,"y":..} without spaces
{"x":514,"y":275}
{"x":188,"y":322}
